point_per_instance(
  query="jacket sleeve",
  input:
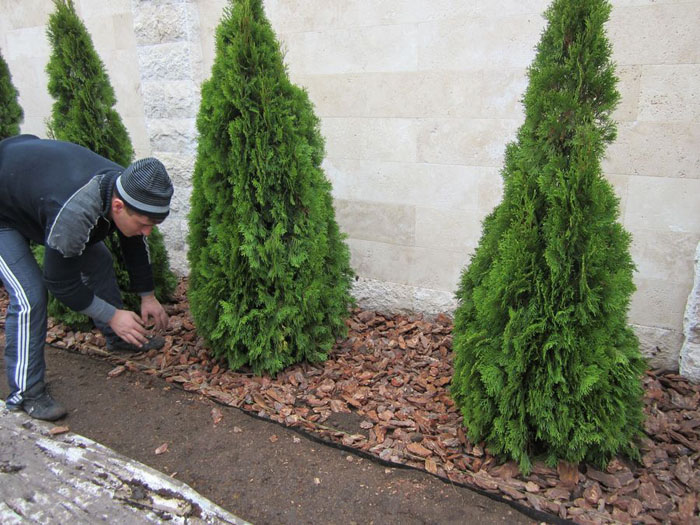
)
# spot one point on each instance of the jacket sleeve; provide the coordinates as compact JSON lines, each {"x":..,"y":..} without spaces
{"x":137,"y":260}
{"x":62,"y":277}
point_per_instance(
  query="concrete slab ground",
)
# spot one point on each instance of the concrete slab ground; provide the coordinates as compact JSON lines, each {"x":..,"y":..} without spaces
{"x":69,"y":479}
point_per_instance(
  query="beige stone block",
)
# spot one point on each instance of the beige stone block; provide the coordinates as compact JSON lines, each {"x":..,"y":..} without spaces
{"x":659,"y":303}
{"x":24,"y":13}
{"x":429,"y":94}
{"x":664,"y":255}
{"x":430,"y":185}
{"x":448,"y":229}
{"x":209,"y":14}
{"x":370,"y":138}
{"x":92,"y":9}
{"x":663,"y":204}
{"x":34,"y":126}
{"x":124,"y":32}
{"x":468,"y":42}
{"x":490,"y":193}
{"x":660,"y":346}
{"x":620,"y":184}
{"x":102,"y":33}
{"x":472,"y":142}
{"x":30,"y":79}
{"x":437,"y":269}
{"x":382,"y":261}
{"x":628,"y":86}
{"x":377,"y":221}
{"x":123,"y":71}
{"x":371,"y":49}
{"x":655,"y":34}
{"x":297,"y":16}
{"x":655,"y":149}
{"x":670,"y":93}
{"x":637,"y":3}
{"x":138,"y":135}
{"x":25,"y":43}
{"x":491,"y":9}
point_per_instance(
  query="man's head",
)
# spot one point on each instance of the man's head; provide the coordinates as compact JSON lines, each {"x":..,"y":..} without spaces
{"x":141,"y":197}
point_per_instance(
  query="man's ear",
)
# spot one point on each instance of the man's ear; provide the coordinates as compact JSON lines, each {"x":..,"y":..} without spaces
{"x":117,"y":205}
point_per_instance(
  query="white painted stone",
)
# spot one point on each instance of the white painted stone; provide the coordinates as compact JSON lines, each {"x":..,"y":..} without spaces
{"x":175,"y":99}
{"x":165,"y":61}
{"x":158,"y":24}
{"x":689,"y":362}
{"x":383,"y":296}
{"x":388,"y":297}
{"x":180,"y":167}
{"x":173,"y":135}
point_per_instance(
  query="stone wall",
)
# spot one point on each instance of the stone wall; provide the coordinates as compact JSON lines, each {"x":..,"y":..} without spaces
{"x":417,"y":99}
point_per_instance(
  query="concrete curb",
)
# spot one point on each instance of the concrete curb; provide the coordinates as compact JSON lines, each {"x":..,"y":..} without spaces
{"x":68,"y":478}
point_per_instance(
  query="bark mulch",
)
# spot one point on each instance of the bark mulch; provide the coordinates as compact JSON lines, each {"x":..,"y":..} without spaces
{"x":384,"y":392}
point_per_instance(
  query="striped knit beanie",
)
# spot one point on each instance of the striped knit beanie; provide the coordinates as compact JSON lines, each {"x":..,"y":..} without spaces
{"x":145,"y":187}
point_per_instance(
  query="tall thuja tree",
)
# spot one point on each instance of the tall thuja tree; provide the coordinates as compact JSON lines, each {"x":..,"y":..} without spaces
{"x":270,"y":275}
{"x":545,"y":362}
{"x":11,"y":114}
{"x":83,"y":113}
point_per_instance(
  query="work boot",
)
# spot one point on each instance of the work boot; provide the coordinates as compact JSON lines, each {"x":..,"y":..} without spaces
{"x":38,"y":403}
{"x":155,"y":342}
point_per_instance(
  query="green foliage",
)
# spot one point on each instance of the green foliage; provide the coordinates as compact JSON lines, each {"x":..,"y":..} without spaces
{"x":545,"y":362}
{"x":270,"y":275}
{"x":11,"y":114}
{"x":83,"y":112}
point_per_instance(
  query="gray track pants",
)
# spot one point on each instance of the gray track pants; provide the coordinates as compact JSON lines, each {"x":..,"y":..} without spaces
{"x":25,"y":322}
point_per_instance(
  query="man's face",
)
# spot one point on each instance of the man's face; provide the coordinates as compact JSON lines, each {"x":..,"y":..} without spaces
{"x":129,"y":222}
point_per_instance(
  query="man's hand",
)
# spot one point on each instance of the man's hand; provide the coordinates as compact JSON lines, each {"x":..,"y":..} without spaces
{"x":129,"y":327}
{"x":152,"y":309}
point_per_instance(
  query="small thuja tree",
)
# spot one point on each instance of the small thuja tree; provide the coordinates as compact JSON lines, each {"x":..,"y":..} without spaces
{"x":545,"y":362}
{"x":11,"y":114}
{"x":270,"y":275}
{"x":83,"y":113}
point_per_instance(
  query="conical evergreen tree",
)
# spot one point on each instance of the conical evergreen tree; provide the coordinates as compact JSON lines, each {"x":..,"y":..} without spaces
{"x":545,"y":362}
{"x":83,"y":113}
{"x":11,"y":114}
{"x":270,"y":275}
